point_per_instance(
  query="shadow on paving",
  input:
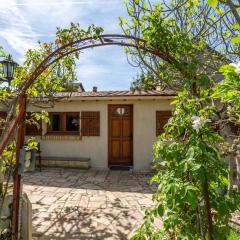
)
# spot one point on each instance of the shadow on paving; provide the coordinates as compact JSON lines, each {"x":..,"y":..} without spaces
{"x":84,"y":223}
{"x":90,"y":179}
{"x":86,"y":204}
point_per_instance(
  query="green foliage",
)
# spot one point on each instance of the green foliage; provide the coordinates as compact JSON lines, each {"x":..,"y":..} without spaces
{"x":234,"y":235}
{"x":182,"y":54}
{"x":56,"y":77}
{"x":229,"y":91}
{"x":231,"y":29}
{"x":32,"y":143}
{"x":144,"y":82}
{"x":188,"y":164}
{"x":236,"y":40}
{"x":189,"y":157}
{"x":33,"y":118}
{"x":213,"y":3}
{"x":185,"y":157}
{"x":59,"y":74}
{"x":8,"y":157}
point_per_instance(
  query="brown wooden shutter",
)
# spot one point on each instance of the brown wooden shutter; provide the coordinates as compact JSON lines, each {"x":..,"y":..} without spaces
{"x":161,"y":119}
{"x":90,"y":123}
{"x":3,"y":116}
{"x":32,"y":129}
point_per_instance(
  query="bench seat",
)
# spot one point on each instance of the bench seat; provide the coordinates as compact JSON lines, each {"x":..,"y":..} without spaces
{"x":69,"y":162}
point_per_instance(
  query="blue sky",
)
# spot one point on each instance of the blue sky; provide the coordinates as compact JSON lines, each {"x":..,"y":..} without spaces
{"x":24,"y":22}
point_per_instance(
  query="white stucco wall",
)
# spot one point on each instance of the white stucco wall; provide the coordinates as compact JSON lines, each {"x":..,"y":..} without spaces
{"x":145,"y":131}
{"x":96,"y":148}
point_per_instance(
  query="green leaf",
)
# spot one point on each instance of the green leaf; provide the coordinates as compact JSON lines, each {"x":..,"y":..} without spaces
{"x":235,"y":26}
{"x":236,"y":40}
{"x":160,"y":210}
{"x":212,"y":3}
{"x":192,"y":199}
{"x":196,"y":167}
{"x":185,"y":168}
{"x":219,"y":11}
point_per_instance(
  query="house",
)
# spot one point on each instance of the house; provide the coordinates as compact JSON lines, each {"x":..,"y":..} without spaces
{"x":111,"y":128}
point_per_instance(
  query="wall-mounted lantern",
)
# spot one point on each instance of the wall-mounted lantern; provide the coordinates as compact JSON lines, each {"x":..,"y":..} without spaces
{"x":8,"y":69}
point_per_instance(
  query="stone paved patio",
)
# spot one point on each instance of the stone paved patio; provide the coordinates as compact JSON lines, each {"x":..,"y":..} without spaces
{"x":86,"y":204}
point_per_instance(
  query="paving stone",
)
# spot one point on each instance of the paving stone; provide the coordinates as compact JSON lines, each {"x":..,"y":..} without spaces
{"x":98,"y":198}
{"x":96,"y":205}
{"x":145,"y":202}
{"x":48,"y":200}
{"x":84,"y":201}
{"x":90,"y":204}
{"x":35,"y":198}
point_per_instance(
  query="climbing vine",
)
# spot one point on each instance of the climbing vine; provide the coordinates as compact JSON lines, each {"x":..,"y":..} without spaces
{"x":193,"y":196}
{"x":56,"y":77}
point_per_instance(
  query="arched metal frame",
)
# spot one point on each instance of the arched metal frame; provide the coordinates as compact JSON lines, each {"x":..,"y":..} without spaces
{"x":75,"y":46}
{"x":61,"y":52}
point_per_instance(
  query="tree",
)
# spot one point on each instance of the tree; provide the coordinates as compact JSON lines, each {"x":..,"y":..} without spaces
{"x":144,"y":82}
{"x":191,"y":174}
{"x":216,"y":27}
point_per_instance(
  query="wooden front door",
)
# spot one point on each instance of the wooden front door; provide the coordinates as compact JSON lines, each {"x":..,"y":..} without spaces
{"x":120,"y":135}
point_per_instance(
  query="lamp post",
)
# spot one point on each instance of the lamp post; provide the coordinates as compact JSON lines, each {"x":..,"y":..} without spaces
{"x":8,"y":69}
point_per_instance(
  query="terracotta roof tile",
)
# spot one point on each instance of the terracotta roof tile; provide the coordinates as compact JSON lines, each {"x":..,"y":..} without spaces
{"x":117,"y":93}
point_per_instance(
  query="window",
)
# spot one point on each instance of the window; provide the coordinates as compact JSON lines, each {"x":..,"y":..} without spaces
{"x":67,"y":123}
{"x":120,"y":111}
{"x":72,"y":122}
{"x":33,"y":126}
{"x":161,"y":119}
{"x":56,"y":122}
{"x":64,"y":123}
{"x":90,"y":123}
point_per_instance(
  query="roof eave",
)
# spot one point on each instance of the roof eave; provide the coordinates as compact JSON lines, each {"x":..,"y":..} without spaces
{"x":101,"y":98}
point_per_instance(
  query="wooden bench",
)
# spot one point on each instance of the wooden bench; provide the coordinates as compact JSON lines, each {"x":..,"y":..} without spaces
{"x":68,"y":162}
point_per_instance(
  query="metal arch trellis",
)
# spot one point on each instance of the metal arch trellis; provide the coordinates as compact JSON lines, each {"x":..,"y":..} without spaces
{"x":78,"y":45}
{"x":56,"y":55}
{"x":91,"y":42}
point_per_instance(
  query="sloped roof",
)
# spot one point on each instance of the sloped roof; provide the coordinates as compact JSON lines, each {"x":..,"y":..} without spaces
{"x":114,"y":94}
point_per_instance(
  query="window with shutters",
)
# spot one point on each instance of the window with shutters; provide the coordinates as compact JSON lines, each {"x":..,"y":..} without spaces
{"x":33,"y":125}
{"x":3,"y":116}
{"x":90,"y":123}
{"x":161,"y":119}
{"x":65,"y":123}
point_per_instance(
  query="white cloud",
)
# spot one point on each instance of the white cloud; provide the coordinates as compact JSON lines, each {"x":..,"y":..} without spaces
{"x":14,"y":24}
{"x":61,"y":2}
{"x":18,"y":43}
{"x":23,"y":22}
